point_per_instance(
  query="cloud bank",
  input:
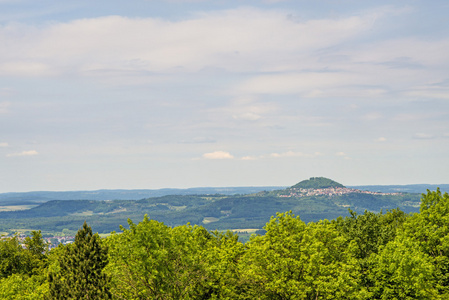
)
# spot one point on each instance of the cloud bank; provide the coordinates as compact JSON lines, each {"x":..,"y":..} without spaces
{"x":23,"y":153}
{"x":218,"y":155}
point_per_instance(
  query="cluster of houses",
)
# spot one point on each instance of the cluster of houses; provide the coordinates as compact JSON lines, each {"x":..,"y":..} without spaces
{"x":331,"y":191}
{"x":52,"y":242}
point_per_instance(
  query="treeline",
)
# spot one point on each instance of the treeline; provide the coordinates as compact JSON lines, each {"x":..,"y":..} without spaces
{"x":391,"y":255}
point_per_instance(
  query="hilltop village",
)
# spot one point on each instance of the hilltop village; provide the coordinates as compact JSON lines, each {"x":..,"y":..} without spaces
{"x":321,"y":186}
{"x":329,"y":191}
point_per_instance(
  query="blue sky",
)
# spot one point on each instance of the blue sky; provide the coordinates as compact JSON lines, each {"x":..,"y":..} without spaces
{"x":156,"y":94}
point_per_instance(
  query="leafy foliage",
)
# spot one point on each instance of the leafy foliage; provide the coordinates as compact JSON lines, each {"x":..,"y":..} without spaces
{"x":23,"y":287}
{"x":298,"y":261}
{"x":14,"y":259}
{"x":430,"y":230}
{"x":401,"y":271}
{"x":154,"y":261}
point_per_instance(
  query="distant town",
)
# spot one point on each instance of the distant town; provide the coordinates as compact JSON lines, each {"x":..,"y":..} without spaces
{"x":52,"y":242}
{"x":331,"y":191}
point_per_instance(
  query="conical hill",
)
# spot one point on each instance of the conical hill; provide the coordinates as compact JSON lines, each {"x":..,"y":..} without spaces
{"x":317,"y":183}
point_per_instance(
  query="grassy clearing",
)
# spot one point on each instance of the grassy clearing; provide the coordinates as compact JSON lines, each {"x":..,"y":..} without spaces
{"x":83,"y":214}
{"x":119,"y":210}
{"x":208,"y":220}
{"x":21,"y":230}
{"x":16,"y":207}
{"x":177,"y":208}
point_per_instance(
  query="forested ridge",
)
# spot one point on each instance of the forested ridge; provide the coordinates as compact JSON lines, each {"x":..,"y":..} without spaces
{"x":384,"y":255}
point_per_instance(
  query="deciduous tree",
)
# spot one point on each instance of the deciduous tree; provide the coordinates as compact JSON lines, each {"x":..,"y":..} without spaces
{"x":298,"y":261}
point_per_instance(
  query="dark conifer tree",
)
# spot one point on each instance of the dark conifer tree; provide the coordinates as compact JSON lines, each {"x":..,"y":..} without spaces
{"x":81,"y":269}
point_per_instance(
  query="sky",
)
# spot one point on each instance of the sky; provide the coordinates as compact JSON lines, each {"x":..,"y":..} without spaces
{"x":150,"y":94}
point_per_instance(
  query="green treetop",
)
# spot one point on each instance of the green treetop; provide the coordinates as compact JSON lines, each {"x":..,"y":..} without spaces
{"x":81,"y":266}
{"x":317,"y":183}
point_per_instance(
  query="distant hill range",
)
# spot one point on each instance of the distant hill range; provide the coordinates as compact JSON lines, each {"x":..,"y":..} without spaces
{"x":215,"y":208}
{"x":136,"y":194}
{"x":122,"y":194}
{"x":409,"y":188}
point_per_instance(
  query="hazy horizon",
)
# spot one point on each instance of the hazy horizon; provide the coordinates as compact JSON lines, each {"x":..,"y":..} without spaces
{"x":200,"y":93}
{"x":214,"y":187}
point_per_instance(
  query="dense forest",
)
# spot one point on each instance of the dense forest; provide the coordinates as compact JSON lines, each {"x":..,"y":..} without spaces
{"x":384,"y":255}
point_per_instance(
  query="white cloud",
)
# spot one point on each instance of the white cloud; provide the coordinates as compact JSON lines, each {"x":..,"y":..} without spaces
{"x":313,"y":58}
{"x":244,"y":39}
{"x":24,"y":153}
{"x":218,"y":155}
{"x":4,"y":145}
{"x":381,"y":139}
{"x":340,"y":154}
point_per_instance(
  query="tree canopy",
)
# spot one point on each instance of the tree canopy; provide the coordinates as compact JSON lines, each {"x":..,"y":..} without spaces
{"x":384,"y":255}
